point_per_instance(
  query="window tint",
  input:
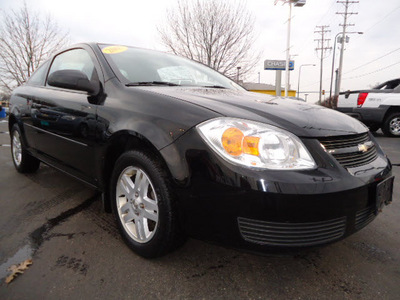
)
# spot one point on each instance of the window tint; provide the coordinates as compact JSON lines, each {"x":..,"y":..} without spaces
{"x":77,"y":59}
{"x":39,"y":75}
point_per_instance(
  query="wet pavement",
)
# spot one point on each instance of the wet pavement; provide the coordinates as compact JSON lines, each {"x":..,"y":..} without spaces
{"x":77,"y":252}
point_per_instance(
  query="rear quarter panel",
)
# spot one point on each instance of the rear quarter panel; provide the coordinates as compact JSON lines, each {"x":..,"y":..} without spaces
{"x":20,"y":110}
{"x":350,"y":101}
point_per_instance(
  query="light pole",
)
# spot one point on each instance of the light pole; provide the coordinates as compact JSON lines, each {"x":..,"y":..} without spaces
{"x":287,"y":51}
{"x":333,"y":58}
{"x":291,"y":56}
{"x":237,"y":76}
{"x":298,"y":83}
{"x":297,"y":3}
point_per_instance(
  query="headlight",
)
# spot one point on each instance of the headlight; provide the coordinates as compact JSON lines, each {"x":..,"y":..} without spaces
{"x":255,"y":145}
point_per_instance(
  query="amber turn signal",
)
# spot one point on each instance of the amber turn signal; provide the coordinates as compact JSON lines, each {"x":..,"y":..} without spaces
{"x":250,"y":145}
{"x":232,"y":141}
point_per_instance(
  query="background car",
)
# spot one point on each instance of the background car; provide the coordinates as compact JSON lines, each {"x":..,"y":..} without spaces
{"x":378,"y":107}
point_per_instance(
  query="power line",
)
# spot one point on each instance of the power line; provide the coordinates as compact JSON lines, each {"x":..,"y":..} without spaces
{"x":376,"y":71}
{"x":374,"y":60}
{"x":315,"y":82}
{"x":326,"y":79}
{"x":333,"y":3}
{"x":380,"y":21}
{"x":309,"y":38}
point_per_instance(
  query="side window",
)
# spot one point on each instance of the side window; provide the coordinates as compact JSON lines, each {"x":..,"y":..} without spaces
{"x":76,"y":59}
{"x":39,"y":75}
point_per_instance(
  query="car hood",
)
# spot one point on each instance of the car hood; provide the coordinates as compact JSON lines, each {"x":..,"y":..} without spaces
{"x":302,"y":119}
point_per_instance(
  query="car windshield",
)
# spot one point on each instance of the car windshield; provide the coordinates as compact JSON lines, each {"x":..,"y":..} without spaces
{"x":135,"y":66}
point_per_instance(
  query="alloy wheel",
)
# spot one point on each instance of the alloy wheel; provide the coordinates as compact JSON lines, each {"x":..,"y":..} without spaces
{"x":17,"y":148}
{"x":394,"y":126}
{"x":137,"y":204}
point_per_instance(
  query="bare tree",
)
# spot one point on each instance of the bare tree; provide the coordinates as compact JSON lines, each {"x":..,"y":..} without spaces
{"x":26,"y":40}
{"x":218,"y":33}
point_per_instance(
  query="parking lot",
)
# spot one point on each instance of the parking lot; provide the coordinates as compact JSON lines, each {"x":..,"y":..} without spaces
{"x":77,"y":252}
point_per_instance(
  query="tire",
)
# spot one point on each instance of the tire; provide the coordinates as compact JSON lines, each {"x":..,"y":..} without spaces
{"x":23,"y":161}
{"x":143,"y":205}
{"x":391,"y":125}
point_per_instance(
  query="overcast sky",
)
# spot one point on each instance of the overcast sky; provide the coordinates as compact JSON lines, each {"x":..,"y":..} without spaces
{"x":134,"y":22}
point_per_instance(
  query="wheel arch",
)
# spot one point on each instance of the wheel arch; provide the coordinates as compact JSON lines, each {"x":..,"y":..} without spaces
{"x":12,"y":119}
{"x":119,"y":143}
{"x":391,"y":110}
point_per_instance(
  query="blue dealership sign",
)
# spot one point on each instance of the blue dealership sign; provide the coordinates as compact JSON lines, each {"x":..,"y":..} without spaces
{"x":279,"y":65}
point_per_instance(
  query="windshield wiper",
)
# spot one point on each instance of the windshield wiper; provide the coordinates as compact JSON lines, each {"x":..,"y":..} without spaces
{"x":214,"y":86}
{"x":144,"y":83}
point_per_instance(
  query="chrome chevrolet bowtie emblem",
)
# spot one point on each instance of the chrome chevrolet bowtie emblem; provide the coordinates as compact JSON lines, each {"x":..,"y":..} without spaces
{"x":365,"y":146}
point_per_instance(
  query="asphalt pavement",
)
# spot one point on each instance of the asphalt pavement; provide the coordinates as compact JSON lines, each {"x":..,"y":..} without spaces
{"x":77,"y":252}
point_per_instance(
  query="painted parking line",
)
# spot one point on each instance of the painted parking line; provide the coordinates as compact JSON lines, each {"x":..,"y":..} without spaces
{"x":3,"y":121}
{"x":4,"y":132}
{"x":5,"y":145}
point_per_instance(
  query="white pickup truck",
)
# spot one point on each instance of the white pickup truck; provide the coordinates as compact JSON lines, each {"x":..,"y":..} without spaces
{"x":377,"y":108}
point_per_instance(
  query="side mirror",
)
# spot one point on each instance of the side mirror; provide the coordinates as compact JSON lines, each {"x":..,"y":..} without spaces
{"x":73,"y":80}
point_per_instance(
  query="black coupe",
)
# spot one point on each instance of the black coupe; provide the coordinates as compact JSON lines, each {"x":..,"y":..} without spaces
{"x":177,"y":149}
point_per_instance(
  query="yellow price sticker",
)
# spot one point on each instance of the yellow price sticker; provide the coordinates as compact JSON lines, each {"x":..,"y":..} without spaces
{"x":114,"y":49}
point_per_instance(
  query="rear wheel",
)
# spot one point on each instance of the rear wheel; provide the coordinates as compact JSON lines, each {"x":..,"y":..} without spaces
{"x":23,"y":161}
{"x":391,"y":126}
{"x":143,"y":205}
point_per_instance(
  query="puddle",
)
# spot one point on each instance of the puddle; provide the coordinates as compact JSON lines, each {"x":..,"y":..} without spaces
{"x":41,"y":234}
{"x":21,"y":255}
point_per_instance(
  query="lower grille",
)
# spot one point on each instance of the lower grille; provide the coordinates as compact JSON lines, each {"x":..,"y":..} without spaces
{"x":364,"y":216}
{"x":291,"y":234}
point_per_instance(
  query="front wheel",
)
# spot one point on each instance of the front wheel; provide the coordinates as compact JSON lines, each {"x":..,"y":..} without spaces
{"x":143,"y":205}
{"x":23,"y":161}
{"x":391,"y":126}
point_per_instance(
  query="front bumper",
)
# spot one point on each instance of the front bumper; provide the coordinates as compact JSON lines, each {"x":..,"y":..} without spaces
{"x":263,"y":210}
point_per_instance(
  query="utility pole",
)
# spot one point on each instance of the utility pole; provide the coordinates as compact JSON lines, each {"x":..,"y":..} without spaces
{"x":342,"y":40}
{"x":323,"y":46}
{"x":345,"y":14}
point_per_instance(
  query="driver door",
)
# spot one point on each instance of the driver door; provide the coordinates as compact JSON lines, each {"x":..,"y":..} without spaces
{"x":65,"y":121}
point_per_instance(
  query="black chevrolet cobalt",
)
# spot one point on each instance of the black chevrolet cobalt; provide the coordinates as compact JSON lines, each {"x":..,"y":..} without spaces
{"x":177,"y":150}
